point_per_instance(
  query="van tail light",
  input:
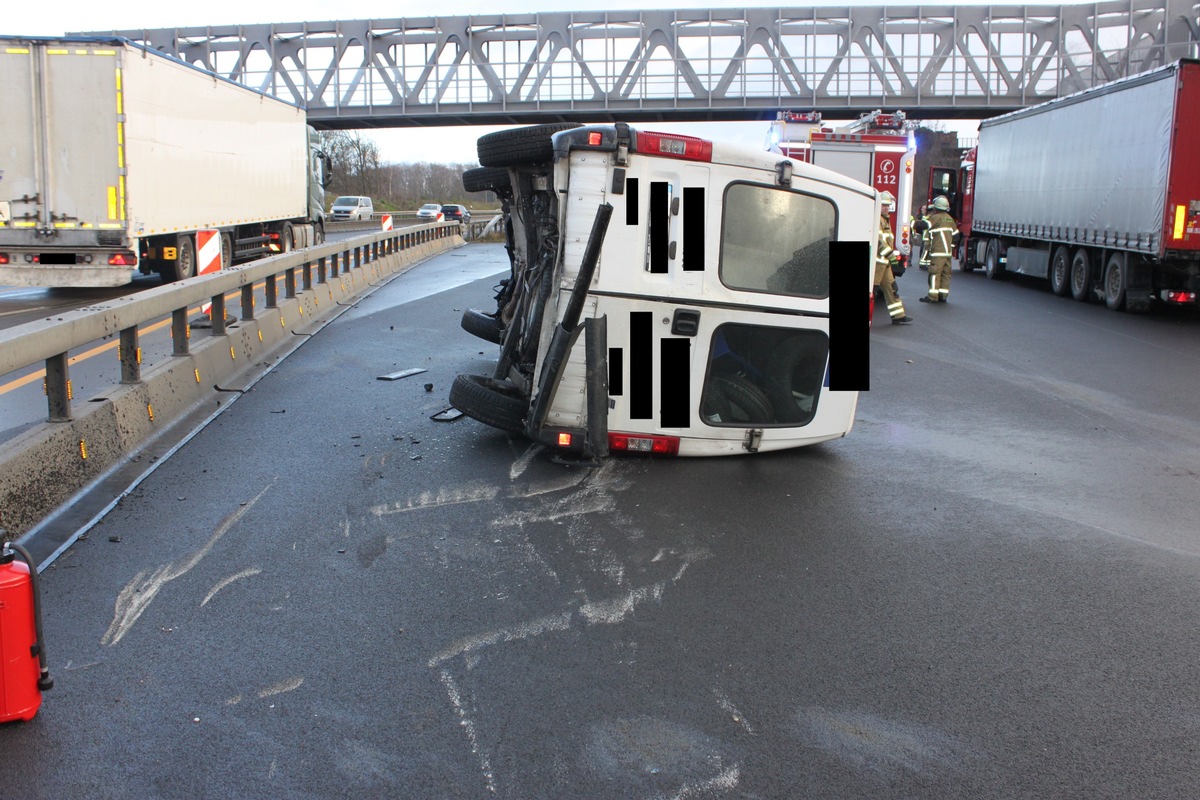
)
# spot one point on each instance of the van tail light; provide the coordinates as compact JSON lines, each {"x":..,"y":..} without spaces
{"x":3,"y":258}
{"x":632,"y":443}
{"x":673,"y":145}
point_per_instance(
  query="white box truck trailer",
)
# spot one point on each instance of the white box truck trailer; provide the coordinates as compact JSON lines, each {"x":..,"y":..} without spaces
{"x":114,"y":156}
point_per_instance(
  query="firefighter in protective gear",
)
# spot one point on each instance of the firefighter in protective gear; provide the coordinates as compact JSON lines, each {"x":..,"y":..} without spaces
{"x":943,"y":232}
{"x":885,"y":259}
{"x":921,"y":225}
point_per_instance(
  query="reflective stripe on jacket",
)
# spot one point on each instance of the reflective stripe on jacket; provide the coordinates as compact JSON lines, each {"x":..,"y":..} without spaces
{"x":941,"y":234}
{"x":883,"y":253}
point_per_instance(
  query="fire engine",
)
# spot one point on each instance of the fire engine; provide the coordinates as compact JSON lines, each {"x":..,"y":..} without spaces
{"x":878,"y":149}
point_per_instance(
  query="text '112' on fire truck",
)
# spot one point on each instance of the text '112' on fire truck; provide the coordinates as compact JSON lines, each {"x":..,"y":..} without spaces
{"x":878,"y":149}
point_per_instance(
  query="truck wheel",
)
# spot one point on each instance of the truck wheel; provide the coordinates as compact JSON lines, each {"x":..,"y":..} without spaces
{"x":1114,"y":282}
{"x":485,"y":326}
{"x":991,"y":260}
{"x":319,"y":233}
{"x":226,"y":251}
{"x":487,"y":179}
{"x":497,"y":404}
{"x":1081,"y":276}
{"x":184,"y":265}
{"x":518,"y":146}
{"x":1060,"y":271}
{"x":287,"y":240}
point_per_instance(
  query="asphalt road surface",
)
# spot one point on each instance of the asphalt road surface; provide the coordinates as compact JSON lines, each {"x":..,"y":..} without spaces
{"x":989,"y":589}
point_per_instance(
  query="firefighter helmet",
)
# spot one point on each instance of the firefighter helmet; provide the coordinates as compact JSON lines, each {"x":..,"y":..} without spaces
{"x":941,"y":203}
{"x":887,"y":199}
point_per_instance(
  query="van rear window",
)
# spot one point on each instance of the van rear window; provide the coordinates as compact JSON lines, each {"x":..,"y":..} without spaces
{"x":777,"y":241}
{"x":759,"y":375}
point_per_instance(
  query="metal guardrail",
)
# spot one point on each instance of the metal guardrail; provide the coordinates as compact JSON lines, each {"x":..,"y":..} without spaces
{"x":51,"y":340}
{"x":44,"y":467}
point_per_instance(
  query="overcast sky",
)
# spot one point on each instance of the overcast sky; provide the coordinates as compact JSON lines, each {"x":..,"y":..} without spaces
{"x":399,"y":144}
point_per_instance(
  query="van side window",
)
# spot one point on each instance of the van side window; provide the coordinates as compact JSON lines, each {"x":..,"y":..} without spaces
{"x":776,"y":240}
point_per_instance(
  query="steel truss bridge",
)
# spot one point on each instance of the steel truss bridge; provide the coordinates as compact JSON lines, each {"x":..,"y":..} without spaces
{"x":718,"y":64}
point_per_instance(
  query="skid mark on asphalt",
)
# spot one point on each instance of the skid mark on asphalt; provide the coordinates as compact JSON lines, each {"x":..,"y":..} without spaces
{"x":734,"y":713}
{"x":468,"y":726}
{"x":869,"y":742}
{"x":288,"y":685}
{"x":137,"y":595}
{"x":246,"y":573}
{"x":661,"y":752}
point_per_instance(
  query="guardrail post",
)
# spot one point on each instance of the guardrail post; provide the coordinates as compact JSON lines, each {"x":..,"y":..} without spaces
{"x":131,"y":356}
{"x":217,"y":314}
{"x":180,"y":331}
{"x":321,"y":269}
{"x":289,"y":282}
{"x":306,"y":274}
{"x":333,"y":264}
{"x":58,"y":389}
{"x":248,"y":301}
{"x":271,"y":291}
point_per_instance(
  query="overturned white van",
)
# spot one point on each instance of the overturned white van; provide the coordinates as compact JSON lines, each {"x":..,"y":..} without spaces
{"x":669,"y":294}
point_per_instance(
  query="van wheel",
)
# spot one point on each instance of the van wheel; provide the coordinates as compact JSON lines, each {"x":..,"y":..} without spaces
{"x":1081,"y":275}
{"x":1114,"y":282}
{"x":485,"y":326}
{"x":497,"y":404}
{"x":528,"y":145}
{"x":730,"y":399}
{"x":1060,"y":271}
{"x":487,"y":179}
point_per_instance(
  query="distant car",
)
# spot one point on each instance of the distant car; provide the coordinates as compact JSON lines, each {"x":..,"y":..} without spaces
{"x":352,"y":207}
{"x":456,"y":213}
{"x":430,"y":211}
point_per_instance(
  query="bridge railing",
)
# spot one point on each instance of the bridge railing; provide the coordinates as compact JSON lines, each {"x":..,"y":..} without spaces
{"x":43,"y":466}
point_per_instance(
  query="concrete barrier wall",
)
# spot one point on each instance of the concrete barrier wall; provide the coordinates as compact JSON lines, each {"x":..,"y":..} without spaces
{"x":46,"y":466}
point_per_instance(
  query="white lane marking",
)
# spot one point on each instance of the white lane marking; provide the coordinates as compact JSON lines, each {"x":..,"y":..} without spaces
{"x":246,"y":573}
{"x":137,"y":595}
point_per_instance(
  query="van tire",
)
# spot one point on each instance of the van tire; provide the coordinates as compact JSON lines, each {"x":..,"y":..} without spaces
{"x":483,"y":325}
{"x":496,"y":404}
{"x":736,"y":401}
{"x":520,"y":146}
{"x":487,"y":179}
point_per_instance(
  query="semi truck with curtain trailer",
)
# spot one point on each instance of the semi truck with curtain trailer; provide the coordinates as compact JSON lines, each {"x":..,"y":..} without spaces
{"x":1097,"y":192}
